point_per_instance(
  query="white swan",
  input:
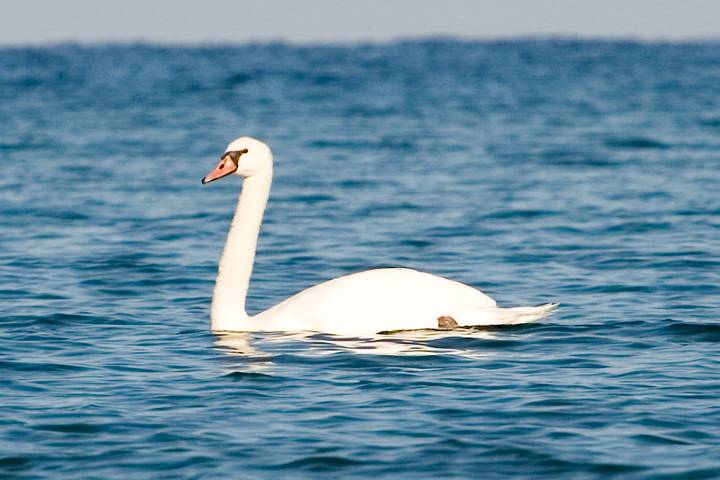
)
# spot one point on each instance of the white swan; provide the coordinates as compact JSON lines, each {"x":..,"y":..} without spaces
{"x":362,"y":303}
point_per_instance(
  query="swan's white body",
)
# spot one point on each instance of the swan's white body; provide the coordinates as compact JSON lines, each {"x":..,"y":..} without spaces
{"x":368,"y":302}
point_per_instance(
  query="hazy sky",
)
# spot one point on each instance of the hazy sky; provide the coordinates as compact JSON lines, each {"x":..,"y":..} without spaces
{"x":39,"y":21}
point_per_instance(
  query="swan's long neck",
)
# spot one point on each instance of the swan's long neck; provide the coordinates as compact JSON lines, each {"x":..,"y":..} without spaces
{"x":228,"y":303}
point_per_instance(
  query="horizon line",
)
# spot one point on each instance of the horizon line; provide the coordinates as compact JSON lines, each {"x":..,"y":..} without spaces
{"x":355,"y":42}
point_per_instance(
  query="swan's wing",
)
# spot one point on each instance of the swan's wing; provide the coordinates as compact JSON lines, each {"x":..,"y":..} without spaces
{"x":373,"y":301}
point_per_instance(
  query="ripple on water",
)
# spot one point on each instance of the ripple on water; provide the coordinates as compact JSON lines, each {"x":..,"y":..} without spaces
{"x":532,"y":169}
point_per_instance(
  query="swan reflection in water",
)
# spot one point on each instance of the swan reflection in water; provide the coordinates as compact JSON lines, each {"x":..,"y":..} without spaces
{"x":258,"y":348}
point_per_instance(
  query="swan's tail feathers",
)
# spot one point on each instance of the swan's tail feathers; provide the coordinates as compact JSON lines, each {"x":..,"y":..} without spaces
{"x":507,"y":316}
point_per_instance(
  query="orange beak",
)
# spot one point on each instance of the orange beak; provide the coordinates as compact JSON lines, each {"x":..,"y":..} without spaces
{"x":224,"y":168}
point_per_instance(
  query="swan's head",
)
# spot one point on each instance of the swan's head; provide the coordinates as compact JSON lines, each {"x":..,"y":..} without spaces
{"x":244,"y":156}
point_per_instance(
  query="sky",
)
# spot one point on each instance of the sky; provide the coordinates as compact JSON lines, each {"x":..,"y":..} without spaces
{"x":314,"y":21}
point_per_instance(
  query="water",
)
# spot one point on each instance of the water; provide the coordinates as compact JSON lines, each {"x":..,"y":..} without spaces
{"x":580,"y":172}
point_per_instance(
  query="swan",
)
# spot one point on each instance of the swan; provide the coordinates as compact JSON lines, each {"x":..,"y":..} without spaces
{"x":364,"y":303}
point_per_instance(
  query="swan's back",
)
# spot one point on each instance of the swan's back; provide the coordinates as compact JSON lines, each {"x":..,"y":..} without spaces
{"x":374,"y":300}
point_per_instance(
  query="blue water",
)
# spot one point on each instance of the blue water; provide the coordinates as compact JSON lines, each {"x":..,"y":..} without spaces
{"x":581,"y":172}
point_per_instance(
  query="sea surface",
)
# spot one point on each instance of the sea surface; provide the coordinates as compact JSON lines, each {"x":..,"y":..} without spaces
{"x":581,"y":172}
